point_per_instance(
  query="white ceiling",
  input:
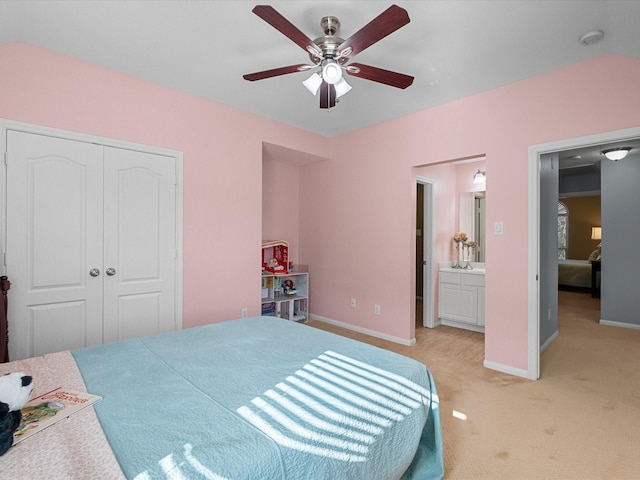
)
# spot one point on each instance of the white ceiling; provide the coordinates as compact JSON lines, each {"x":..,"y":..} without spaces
{"x":452,"y":48}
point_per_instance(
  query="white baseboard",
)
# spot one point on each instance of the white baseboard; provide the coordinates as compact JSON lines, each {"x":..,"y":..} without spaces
{"x":610,"y":323}
{"x":366,"y":331}
{"x":546,"y":344}
{"x":507,"y":369}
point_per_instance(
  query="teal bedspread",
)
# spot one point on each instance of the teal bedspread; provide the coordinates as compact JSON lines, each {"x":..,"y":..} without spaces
{"x":264,"y":398}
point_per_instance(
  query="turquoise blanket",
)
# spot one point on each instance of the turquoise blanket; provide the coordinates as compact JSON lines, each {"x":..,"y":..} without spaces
{"x":264,"y":398}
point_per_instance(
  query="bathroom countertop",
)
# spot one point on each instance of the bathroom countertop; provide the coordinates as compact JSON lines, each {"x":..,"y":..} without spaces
{"x":478,"y":268}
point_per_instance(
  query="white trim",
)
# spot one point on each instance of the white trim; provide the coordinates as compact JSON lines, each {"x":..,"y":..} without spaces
{"x":429,"y":214}
{"x":549,"y":342}
{"x":611,"y":323}
{"x":518,"y":372}
{"x":533,"y":329}
{"x":81,"y":137}
{"x":366,"y":331}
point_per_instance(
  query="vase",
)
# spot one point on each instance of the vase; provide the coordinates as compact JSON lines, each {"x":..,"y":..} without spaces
{"x":457,"y":263}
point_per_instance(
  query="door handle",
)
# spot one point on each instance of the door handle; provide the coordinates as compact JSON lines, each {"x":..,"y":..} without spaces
{"x":94,"y":272}
{"x":111,"y":271}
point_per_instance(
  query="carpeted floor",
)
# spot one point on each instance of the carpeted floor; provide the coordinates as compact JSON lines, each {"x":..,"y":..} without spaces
{"x":581,"y":420}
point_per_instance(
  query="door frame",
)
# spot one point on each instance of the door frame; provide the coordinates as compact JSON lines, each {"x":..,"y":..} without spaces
{"x":6,"y":124}
{"x":535,"y":151}
{"x":429,"y":254}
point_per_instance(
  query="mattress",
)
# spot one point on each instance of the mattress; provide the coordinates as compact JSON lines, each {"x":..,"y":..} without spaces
{"x":253,"y":398}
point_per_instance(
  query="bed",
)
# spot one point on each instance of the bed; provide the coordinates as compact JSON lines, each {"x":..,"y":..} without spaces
{"x":253,"y":398}
{"x":574,"y":274}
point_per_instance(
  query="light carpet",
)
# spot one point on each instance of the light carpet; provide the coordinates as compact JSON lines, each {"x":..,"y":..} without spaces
{"x":581,"y":420}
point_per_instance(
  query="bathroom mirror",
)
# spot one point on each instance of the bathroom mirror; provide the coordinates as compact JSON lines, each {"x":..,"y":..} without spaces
{"x":472,"y":220}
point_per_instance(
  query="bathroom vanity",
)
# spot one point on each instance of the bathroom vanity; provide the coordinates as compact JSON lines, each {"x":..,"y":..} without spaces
{"x":461,"y":296}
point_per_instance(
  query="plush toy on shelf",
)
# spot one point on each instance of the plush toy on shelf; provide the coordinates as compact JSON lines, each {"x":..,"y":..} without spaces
{"x":15,"y":389}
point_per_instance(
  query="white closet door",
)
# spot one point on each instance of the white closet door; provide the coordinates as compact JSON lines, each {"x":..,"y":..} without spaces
{"x":54,"y":239}
{"x":140,"y":244}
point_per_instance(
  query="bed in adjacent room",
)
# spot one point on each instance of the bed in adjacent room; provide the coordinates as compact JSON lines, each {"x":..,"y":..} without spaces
{"x":574,"y":274}
{"x":253,"y":398}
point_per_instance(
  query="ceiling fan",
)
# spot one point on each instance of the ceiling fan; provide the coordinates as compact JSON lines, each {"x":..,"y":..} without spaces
{"x":329,"y":54}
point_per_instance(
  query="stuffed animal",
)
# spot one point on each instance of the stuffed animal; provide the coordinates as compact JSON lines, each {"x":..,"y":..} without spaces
{"x":15,"y":389}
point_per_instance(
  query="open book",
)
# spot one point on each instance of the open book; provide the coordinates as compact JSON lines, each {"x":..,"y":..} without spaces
{"x":49,"y":408}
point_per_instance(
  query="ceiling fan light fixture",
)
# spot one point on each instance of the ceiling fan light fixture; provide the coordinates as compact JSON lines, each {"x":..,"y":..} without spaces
{"x":313,"y":83}
{"x":616,"y":154}
{"x":342,"y":87}
{"x":332,"y":72}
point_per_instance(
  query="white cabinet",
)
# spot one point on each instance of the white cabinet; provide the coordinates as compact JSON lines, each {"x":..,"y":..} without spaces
{"x":286,"y":296}
{"x":461,"y":299}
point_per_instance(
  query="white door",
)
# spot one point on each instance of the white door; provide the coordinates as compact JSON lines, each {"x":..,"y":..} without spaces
{"x":59,"y":246}
{"x":139,"y":244}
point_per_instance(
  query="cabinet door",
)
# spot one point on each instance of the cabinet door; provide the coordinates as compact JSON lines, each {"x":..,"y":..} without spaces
{"x":139,"y":245}
{"x":457,"y":302}
{"x":54,"y":239}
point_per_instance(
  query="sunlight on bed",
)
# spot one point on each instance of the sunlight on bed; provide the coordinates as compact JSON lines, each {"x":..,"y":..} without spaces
{"x":334,"y":407}
{"x":174,"y":471}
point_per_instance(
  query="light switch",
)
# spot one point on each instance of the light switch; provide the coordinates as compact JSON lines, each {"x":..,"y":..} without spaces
{"x":498,"y":228}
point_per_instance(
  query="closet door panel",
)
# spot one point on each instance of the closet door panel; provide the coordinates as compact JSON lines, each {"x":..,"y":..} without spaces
{"x":140,"y":243}
{"x":54,"y":239}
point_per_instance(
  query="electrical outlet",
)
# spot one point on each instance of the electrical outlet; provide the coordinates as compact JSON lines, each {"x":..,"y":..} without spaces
{"x":376,"y":309}
{"x":353,"y":303}
{"x":243,"y":313}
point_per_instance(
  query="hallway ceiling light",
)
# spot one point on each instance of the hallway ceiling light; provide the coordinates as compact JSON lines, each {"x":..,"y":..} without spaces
{"x":480,"y":177}
{"x":616,"y":154}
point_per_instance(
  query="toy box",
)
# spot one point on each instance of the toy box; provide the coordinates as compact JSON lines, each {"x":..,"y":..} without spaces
{"x":275,"y":256}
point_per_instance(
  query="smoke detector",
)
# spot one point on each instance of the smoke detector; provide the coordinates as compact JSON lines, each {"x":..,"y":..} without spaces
{"x":591,"y":37}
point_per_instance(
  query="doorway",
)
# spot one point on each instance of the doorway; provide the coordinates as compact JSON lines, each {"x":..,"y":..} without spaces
{"x":425,"y":253}
{"x":539,"y":299}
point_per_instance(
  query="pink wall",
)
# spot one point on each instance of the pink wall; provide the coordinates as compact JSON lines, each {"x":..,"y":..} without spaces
{"x":222,"y":161}
{"x":356,"y":209}
{"x":280,"y":205}
{"x":359,"y":244}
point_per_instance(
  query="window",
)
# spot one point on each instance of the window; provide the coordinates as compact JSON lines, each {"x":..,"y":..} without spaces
{"x":563,"y":231}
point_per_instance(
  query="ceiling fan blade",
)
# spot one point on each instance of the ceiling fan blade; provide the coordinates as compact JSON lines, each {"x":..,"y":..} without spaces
{"x":327,"y":95}
{"x":384,"y":24}
{"x":252,"y":77}
{"x":380,"y":75}
{"x":284,"y":26}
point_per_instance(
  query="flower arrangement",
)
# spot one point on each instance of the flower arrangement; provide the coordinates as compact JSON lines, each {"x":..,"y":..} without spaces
{"x":459,"y":237}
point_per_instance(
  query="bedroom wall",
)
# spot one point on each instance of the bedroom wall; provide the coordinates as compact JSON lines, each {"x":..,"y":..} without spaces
{"x":280,"y":203}
{"x":357,"y":208}
{"x":223,"y":150}
{"x":620,"y":231}
{"x":367,"y":227}
{"x":584,"y":213}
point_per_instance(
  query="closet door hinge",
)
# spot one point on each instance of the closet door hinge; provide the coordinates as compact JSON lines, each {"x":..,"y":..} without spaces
{"x":6,"y":158}
{"x":4,"y":258}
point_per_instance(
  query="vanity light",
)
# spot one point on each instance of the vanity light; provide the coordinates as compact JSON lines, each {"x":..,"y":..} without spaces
{"x":616,"y":154}
{"x":480,"y":177}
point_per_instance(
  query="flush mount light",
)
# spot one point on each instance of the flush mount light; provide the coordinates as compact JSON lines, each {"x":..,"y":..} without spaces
{"x":616,"y":154}
{"x":591,"y":37}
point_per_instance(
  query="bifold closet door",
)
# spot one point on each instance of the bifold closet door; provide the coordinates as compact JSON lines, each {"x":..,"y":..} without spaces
{"x":54,"y":241}
{"x":91,"y":243}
